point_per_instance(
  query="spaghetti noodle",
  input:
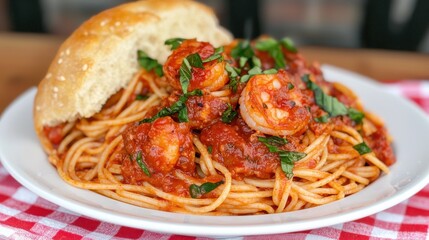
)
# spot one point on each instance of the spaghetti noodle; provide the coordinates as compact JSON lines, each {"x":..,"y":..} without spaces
{"x":229,"y":131}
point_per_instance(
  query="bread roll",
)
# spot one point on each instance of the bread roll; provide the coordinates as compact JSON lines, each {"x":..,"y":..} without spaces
{"x":100,"y":57}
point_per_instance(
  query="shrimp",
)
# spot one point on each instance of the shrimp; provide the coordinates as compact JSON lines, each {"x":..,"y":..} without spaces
{"x":272,"y":104}
{"x":212,"y":77}
{"x":163,"y":144}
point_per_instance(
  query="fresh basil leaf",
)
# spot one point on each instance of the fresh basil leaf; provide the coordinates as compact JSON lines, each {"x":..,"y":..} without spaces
{"x":329,"y":104}
{"x":142,"y":165}
{"x":174,"y":42}
{"x":233,"y":77}
{"x":242,"y":49}
{"x":288,"y":159}
{"x":185,"y":75}
{"x":266,"y":44}
{"x":183,"y":115}
{"x":279,"y":59}
{"x":245,"y":78}
{"x":273,"y":140}
{"x":322,"y":119}
{"x":255,"y":70}
{"x":216,"y":55}
{"x":355,"y":115}
{"x":149,"y":63}
{"x":273,"y":48}
{"x":270,"y":71}
{"x":256,"y":61}
{"x":289,"y":44}
{"x":242,"y":61}
{"x":142,"y":97}
{"x":197,"y":191}
{"x":362,"y":148}
{"x":228,"y":115}
{"x":195,"y":60}
{"x":174,"y":108}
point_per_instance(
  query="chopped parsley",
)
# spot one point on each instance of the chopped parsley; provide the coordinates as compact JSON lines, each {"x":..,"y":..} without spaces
{"x":197,"y":191}
{"x":149,"y":63}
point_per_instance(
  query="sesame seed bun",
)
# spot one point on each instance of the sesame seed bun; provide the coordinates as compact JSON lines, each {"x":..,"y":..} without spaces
{"x":100,"y":57}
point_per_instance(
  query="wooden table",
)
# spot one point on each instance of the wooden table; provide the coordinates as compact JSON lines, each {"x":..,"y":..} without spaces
{"x":24,"y":59}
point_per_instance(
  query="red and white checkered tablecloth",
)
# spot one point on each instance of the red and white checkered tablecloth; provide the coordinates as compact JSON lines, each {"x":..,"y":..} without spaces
{"x":24,"y":215}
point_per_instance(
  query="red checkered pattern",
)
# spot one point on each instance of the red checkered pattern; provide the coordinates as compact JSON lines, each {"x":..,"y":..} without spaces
{"x":23,"y":215}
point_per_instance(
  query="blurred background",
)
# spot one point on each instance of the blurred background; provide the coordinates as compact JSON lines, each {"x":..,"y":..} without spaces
{"x":382,"y":24}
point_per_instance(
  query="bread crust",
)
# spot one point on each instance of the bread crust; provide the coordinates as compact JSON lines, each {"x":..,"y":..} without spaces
{"x":100,"y":57}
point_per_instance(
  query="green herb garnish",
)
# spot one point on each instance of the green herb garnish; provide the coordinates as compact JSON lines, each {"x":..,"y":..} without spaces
{"x":233,"y":74}
{"x":216,"y":55}
{"x":255,"y":71}
{"x":322,"y":119}
{"x":287,"y":158}
{"x":355,"y":115}
{"x":245,"y":54}
{"x":242,"y":49}
{"x":288,"y":44}
{"x":185,"y":71}
{"x":273,"y":140}
{"x":290,"y":86}
{"x":174,"y":42}
{"x":175,"y":108}
{"x":197,"y":191}
{"x":149,"y":63}
{"x":330,"y":104}
{"x":274,"y":49}
{"x":142,"y":97}
{"x":229,"y":114}
{"x":210,"y":149}
{"x":362,"y":148}
{"x":141,"y":163}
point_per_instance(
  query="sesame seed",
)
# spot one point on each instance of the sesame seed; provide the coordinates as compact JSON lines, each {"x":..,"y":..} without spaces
{"x":55,"y":89}
{"x":117,"y":23}
{"x":60,"y":61}
{"x":85,"y":67}
{"x":68,"y":51}
{"x":55,"y":95}
{"x":61,"y":78}
{"x":38,"y":108}
{"x":102,"y":23}
{"x":49,"y":75}
{"x":85,"y":33}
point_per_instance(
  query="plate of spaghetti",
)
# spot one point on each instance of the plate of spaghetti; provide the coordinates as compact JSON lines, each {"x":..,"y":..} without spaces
{"x":199,"y":134}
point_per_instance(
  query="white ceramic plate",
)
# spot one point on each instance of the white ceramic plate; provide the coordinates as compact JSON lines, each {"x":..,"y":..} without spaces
{"x":24,"y":158}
